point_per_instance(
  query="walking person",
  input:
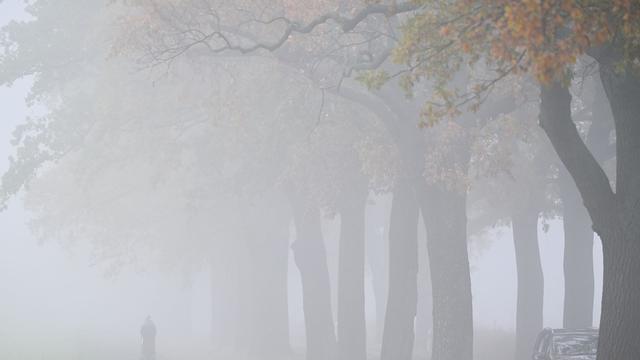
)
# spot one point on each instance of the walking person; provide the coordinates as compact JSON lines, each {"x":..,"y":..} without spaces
{"x":148,"y":333}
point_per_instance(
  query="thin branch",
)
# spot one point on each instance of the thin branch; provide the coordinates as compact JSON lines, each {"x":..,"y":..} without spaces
{"x":346,"y":24}
{"x":320,"y":113}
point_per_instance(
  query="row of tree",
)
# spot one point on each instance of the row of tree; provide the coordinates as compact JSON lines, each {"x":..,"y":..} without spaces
{"x":164,"y":115}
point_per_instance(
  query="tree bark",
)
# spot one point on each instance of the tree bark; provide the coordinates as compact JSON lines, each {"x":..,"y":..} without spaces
{"x":446,"y":219}
{"x":623,"y":92}
{"x":620,"y":321}
{"x":529,"y":311}
{"x":311,"y":259}
{"x":578,"y":258}
{"x":352,"y":332}
{"x":398,"y":337}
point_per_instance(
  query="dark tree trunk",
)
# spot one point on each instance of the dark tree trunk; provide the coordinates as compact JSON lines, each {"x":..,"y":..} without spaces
{"x":311,"y":259}
{"x":620,"y":321}
{"x":352,"y":332}
{"x":578,"y":229}
{"x":446,"y":219}
{"x":578,"y":258}
{"x":623,"y":92}
{"x":530,"y":281}
{"x":616,"y":216}
{"x":398,"y":337}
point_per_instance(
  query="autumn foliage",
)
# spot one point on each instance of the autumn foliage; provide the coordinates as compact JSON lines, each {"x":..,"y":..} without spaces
{"x":496,"y":38}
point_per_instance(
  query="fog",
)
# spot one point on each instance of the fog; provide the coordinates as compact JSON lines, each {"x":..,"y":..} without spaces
{"x":204,"y":191}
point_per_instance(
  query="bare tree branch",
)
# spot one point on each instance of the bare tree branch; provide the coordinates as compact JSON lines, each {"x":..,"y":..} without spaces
{"x":221,"y":39}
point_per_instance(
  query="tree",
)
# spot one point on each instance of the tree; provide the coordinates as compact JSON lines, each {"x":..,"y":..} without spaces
{"x":248,"y":160}
{"x":593,"y":118}
{"x":327,"y":169}
{"x":165,"y":44}
{"x":147,"y":172}
{"x":514,"y":155}
{"x":179,"y":156}
{"x":402,"y":303}
{"x":544,"y":39}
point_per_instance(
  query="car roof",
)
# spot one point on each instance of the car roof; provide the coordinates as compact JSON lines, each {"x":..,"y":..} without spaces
{"x":588,"y":331}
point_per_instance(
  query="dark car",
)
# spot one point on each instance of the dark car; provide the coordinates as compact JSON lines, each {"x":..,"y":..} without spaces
{"x":566,"y":344}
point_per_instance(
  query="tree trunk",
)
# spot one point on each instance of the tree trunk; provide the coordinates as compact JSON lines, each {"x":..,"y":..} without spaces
{"x":620,"y":321}
{"x":311,"y":259}
{"x":578,"y":258}
{"x":444,"y":213}
{"x":578,"y":230}
{"x":352,"y":332}
{"x":616,"y":216}
{"x":529,"y":309}
{"x":398,"y":337}
{"x":446,"y":218}
{"x":623,"y":92}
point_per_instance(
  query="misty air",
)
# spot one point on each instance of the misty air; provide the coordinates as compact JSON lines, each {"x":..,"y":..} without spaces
{"x":320,"y":180}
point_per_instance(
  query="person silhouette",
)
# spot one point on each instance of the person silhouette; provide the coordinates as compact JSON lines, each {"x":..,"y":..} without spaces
{"x":148,"y":333}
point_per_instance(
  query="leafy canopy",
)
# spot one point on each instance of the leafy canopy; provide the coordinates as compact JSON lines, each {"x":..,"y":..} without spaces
{"x":497,"y":38}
